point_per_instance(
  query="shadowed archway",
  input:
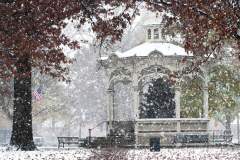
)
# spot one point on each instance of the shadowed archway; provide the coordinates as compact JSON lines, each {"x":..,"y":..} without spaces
{"x":158,"y":101}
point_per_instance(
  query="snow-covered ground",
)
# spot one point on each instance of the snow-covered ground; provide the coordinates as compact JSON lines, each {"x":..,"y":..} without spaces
{"x":142,"y":154}
{"x":186,"y":154}
{"x":50,"y":154}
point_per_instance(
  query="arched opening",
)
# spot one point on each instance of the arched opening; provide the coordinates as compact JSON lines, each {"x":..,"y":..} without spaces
{"x":123,"y":110}
{"x":158,"y":100}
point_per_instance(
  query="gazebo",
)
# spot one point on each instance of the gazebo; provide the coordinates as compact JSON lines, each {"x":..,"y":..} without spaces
{"x":153,"y":59}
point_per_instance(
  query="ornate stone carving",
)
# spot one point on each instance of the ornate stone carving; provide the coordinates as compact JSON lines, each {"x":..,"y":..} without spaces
{"x":154,"y":69}
{"x":121,"y":71}
{"x":155,"y":54}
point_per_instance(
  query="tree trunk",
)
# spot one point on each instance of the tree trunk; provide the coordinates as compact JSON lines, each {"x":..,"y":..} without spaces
{"x":22,"y":136}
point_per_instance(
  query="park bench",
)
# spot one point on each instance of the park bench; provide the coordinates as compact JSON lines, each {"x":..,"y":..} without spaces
{"x":222,"y":138}
{"x":68,"y":141}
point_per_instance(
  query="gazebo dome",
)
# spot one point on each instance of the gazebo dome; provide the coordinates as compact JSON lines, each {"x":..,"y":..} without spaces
{"x":154,"y":41}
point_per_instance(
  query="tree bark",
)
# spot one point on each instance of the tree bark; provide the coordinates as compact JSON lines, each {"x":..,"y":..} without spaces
{"x":22,"y":136}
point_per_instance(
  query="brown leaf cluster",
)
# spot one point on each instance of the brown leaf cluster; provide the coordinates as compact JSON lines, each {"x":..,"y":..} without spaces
{"x":33,"y":28}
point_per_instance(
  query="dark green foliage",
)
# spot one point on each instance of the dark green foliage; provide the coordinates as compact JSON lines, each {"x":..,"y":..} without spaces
{"x":158,"y":102}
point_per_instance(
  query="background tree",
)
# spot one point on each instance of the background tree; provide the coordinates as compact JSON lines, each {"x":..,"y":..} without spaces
{"x":224,"y":88}
{"x":191,"y":97}
{"x":30,"y":36}
{"x":6,"y":97}
{"x":158,"y":101}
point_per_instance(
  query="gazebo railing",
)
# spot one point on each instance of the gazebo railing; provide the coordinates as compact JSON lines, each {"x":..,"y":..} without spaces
{"x":171,"y":125}
{"x":219,"y":136}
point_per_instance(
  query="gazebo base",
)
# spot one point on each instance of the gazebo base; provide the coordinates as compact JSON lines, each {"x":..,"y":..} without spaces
{"x":172,"y":131}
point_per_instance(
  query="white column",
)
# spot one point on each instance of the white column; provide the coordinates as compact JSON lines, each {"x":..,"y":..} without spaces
{"x":136,"y":112}
{"x":140,"y":101}
{"x":110,"y":109}
{"x":178,"y":107}
{"x":205,"y":99}
{"x":80,"y":130}
{"x":135,"y":104}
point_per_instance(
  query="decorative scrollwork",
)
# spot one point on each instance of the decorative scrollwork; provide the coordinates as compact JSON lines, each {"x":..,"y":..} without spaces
{"x":120,"y":78}
{"x":154,"y":69}
{"x":120,"y":71}
{"x":156,"y":54}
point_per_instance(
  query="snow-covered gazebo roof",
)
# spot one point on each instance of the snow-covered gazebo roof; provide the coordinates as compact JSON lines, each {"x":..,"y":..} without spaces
{"x":154,"y":43}
{"x":145,"y":49}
